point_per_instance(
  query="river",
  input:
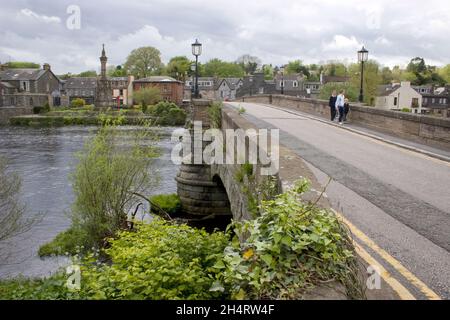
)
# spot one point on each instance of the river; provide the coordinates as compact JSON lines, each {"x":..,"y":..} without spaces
{"x":44,"y":159}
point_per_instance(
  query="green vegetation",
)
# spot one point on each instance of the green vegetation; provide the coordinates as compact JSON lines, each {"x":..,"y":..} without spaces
{"x":170,"y":203}
{"x":158,"y":260}
{"x":351,"y":92}
{"x":290,"y":248}
{"x":106,"y":182}
{"x":406,"y":110}
{"x":22,"y":65}
{"x":167,"y":113}
{"x":241,"y":110}
{"x":144,"y":62}
{"x":147,"y":96}
{"x":67,"y":242}
{"x":77,"y":103}
{"x":215,"y":114}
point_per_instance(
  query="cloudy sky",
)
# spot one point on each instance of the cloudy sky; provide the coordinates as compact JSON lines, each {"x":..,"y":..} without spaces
{"x":276,"y":31}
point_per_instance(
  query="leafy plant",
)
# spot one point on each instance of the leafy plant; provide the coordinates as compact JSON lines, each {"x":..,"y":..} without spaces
{"x":170,"y":203}
{"x":289,"y":249}
{"x":215,"y":114}
{"x":104,"y":181}
{"x":77,"y":103}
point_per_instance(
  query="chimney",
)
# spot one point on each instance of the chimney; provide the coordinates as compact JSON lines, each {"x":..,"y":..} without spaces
{"x":46,"y":66}
{"x":405,"y":84}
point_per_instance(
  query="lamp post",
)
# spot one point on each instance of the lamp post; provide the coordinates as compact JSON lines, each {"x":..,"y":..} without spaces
{"x":282,"y":79}
{"x":196,"y":51}
{"x":363,"y":56}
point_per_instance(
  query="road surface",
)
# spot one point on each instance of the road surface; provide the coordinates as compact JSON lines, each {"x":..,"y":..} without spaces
{"x":398,"y":199}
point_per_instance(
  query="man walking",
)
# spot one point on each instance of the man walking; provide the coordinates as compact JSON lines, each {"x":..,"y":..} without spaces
{"x":332,"y":104}
{"x":340,"y":102}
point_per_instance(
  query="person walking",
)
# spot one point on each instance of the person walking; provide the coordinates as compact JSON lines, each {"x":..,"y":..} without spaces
{"x":332,"y":104}
{"x":340,"y":102}
{"x":346,"y":109}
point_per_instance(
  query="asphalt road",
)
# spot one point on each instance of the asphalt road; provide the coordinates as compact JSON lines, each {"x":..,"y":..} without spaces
{"x":399,"y":198}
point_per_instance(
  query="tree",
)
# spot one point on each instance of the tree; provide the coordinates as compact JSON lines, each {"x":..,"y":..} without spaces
{"x":386,"y":75}
{"x":178,"y":67}
{"x":12,"y":220}
{"x":106,"y":182}
{"x":87,"y":74}
{"x":219,"y":68}
{"x":351,"y":92}
{"x":116,"y":71}
{"x":444,"y":72}
{"x":268,"y":71}
{"x":372,"y":79}
{"x":22,"y":65}
{"x":295,"y":67}
{"x":335,"y":68}
{"x":143,"y":62}
{"x":417,"y":65}
{"x":147,"y":96}
{"x":249,"y":63}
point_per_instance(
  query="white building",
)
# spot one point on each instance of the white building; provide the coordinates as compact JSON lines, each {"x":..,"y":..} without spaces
{"x":398,"y":97}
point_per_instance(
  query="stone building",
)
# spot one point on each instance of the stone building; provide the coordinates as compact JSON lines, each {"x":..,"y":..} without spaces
{"x":399,"y":96}
{"x":170,"y":89}
{"x":79,"y":87}
{"x":29,"y":87}
{"x":256,"y":84}
{"x":122,"y":88}
{"x":437,"y":102}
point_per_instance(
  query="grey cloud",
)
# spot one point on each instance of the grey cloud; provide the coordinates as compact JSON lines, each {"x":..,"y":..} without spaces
{"x":276,"y":33}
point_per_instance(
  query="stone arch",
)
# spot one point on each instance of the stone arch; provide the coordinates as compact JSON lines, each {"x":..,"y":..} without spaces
{"x":203,"y":196}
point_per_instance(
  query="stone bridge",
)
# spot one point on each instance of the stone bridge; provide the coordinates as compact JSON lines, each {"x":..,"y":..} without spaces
{"x":222,"y":192}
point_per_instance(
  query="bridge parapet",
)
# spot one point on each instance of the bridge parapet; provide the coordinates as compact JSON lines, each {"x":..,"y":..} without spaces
{"x":423,"y":129}
{"x":226,"y":191}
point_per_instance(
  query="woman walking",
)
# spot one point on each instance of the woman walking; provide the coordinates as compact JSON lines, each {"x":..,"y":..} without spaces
{"x":340,"y":102}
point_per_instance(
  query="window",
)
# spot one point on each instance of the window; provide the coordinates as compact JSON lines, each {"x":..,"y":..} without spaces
{"x":415,"y":103}
{"x":295,"y":84}
{"x":282,"y":83}
{"x":395,"y":101}
{"x":121,"y":92}
{"x":261,"y":90}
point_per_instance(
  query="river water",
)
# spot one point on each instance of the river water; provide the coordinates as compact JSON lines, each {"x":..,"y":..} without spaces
{"x":44,"y":158}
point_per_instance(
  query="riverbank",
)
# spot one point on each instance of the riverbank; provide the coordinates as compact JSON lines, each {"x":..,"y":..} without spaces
{"x":45,"y":158}
{"x":162,"y":114}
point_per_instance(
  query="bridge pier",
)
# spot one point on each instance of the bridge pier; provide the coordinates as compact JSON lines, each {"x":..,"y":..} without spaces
{"x":203,"y":197}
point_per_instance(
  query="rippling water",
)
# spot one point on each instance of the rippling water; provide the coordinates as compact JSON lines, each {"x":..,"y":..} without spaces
{"x":44,"y":158}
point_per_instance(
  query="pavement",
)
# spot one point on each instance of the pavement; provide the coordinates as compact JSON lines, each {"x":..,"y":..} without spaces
{"x":393,"y":193}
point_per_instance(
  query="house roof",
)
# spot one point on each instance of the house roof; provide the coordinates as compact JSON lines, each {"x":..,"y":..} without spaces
{"x":21,"y":74}
{"x":7,"y":85}
{"x":81,"y":83}
{"x":386,"y":90}
{"x":327,"y":79}
{"x":157,"y":79}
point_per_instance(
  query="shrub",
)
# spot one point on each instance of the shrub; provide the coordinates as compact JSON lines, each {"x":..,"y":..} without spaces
{"x":351,"y":92}
{"x":159,"y":261}
{"x":215,"y":114}
{"x":69,"y":241}
{"x":290,"y":248}
{"x":105,"y":180}
{"x":168,"y":113}
{"x":77,"y":103}
{"x":406,"y":110}
{"x":170,"y":203}
{"x":147,"y":96}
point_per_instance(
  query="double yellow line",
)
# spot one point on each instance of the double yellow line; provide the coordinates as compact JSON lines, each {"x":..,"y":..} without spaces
{"x":395,"y":284}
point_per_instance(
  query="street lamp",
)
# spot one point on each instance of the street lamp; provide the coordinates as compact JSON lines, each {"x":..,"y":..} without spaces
{"x":363,"y":56}
{"x":196,"y":51}
{"x":282,"y":79}
{"x":193,"y":80}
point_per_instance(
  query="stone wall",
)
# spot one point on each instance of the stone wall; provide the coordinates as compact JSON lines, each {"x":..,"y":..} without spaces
{"x":428,"y":130}
{"x":7,"y":113}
